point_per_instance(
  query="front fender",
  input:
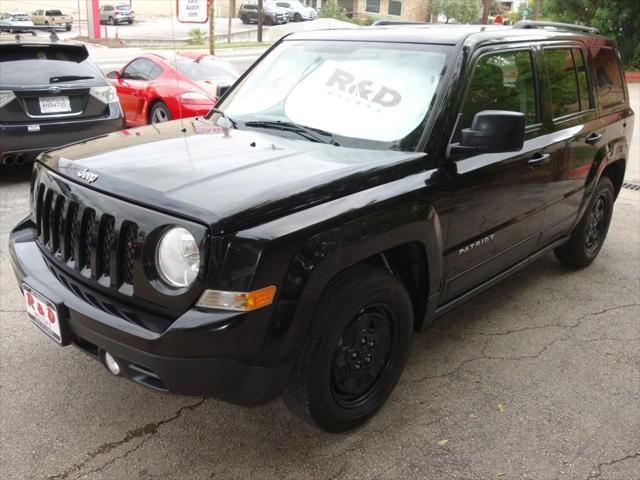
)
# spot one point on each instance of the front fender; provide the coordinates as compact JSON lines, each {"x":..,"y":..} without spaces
{"x":302,"y":252}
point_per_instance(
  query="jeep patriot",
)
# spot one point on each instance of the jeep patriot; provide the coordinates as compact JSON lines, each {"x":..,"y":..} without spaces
{"x":350,"y":188}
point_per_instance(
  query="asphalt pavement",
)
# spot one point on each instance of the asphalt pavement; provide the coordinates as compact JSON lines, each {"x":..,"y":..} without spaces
{"x":538,"y":378}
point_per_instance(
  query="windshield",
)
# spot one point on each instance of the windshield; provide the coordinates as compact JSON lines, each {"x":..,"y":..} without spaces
{"x":364,"y":94}
{"x":206,"y":70}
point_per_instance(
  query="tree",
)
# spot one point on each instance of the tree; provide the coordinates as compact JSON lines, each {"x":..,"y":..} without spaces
{"x":618,"y":19}
{"x":462,"y":11}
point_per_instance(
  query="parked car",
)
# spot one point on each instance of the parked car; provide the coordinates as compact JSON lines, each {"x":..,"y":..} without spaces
{"x":296,"y":11}
{"x":52,"y":17}
{"x":271,"y":14}
{"x":116,"y":14}
{"x":51,"y":94}
{"x":15,"y":22}
{"x":157,"y":88}
{"x":350,"y":188}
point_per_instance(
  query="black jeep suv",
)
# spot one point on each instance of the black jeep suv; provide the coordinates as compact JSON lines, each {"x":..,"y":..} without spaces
{"x":351,"y":187}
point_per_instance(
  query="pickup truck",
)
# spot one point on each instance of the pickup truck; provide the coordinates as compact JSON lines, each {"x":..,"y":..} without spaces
{"x":53,"y":18}
{"x":350,"y":188}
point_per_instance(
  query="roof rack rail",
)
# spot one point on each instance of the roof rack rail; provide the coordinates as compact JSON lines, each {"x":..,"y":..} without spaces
{"x":33,"y":30}
{"x":557,"y":25}
{"x":382,"y":23}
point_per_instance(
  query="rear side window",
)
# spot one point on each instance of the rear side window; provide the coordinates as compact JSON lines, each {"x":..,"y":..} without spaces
{"x":608,"y":78}
{"x":502,"y":81}
{"x":563,"y":82}
{"x":54,"y":13}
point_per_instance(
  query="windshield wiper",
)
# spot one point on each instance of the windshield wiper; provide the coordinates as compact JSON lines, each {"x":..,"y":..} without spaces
{"x":311,"y":133}
{"x":69,"y":78}
{"x":224,"y":115}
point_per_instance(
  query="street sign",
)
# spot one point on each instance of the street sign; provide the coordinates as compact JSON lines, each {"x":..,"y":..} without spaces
{"x":193,"y":11}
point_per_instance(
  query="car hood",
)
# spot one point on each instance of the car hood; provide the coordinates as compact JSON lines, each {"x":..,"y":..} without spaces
{"x":227,"y":179}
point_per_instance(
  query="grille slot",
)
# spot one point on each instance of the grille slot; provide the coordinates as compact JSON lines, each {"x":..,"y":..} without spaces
{"x":72,"y":233}
{"x":128,"y":235}
{"x":57,"y":225}
{"x":86,"y":236}
{"x":106,"y":244}
{"x":46,"y":216}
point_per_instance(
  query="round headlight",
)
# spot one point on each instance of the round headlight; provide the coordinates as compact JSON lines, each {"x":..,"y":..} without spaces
{"x":178,"y":257}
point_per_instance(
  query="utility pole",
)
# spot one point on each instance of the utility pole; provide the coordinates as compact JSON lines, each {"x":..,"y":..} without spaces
{"x":260,"y":5}
{"x":485,"y":11}
{"x":537,"y":14}
{"x":212,"y":23}
{"x":232,"y":13}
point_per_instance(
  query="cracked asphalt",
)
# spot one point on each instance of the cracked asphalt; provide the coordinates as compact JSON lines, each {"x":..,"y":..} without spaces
{"x":538,"y":378}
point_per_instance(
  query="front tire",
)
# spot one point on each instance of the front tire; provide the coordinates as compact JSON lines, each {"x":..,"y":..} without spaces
{"x":159,"y":113}
{"x":588,"y":236}
{"x":297,"y":17}
{"x":111,"y":21}
{"x":355,"y":350}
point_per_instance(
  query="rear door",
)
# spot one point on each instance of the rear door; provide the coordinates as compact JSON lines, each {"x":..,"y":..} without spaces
{"x":576,"y":135}
{"x":498,"y":200}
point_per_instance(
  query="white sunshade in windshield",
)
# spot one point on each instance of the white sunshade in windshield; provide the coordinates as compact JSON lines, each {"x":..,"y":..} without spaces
{"x":379,"y":94}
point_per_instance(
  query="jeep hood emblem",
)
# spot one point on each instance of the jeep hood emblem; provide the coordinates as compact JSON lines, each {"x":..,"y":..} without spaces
{"x":88,"y":175}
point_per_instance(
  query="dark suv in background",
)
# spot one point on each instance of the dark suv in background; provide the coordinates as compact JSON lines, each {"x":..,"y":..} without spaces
{"x":271,"y":13}
{"x":51,"y":94}
{"x":350,"y":188}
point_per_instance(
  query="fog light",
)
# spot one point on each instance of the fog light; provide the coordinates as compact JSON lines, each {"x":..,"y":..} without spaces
{"x":111,"y":363}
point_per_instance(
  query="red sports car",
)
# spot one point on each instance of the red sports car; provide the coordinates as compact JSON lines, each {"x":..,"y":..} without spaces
{"x":159,"y":87}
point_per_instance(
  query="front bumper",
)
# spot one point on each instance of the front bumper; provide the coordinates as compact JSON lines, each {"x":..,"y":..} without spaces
{"x":34,"y":137}
{"x":162,"y":361}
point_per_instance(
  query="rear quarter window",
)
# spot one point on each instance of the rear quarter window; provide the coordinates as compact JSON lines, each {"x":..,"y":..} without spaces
{"x":608,"y":78}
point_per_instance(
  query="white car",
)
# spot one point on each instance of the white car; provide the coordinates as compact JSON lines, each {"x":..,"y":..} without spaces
{"x":15,"y":20}
{"x":296,"y":11}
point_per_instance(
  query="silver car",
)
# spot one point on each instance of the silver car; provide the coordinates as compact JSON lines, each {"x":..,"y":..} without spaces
{"x":116,"y":14}
{"x":296,"y":11}
{"x":15,"y":21}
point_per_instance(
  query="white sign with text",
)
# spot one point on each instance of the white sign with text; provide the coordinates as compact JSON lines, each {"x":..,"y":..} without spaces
{"x":193,"y":11}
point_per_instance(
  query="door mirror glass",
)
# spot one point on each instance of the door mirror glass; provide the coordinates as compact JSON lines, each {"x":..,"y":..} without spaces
{"x":114,"y":75}
{"x":493,"y":131}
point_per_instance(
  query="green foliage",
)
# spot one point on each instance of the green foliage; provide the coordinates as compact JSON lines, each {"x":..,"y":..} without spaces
{"x":618,"y":19}
{"x":196,"y":36}
{"x":457,"y":11}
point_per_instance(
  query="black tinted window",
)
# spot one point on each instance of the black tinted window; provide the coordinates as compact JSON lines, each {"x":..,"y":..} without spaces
{"x":139,"y":69}
{"x":502,"y":81}
{"x":54,"y":13}
{"x":609,"y":86}
{"x":563,"y":82}
{"x":36,"y":65}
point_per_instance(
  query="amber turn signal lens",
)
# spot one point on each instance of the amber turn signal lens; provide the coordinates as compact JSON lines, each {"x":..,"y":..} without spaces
{"x":237,"y":301}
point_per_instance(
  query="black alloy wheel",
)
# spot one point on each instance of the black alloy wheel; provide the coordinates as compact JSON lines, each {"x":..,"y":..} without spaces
{"x":355,"y":350}
{"x":588,"y":236}
{"x":363,"y":353}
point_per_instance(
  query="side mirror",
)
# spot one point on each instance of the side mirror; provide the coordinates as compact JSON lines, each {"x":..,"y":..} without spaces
{"x":493,"y":131}
{"x":221,"y":90}
{"x":114,"y":75}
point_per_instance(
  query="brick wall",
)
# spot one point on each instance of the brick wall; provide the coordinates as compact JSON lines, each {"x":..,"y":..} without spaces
{"x":411,"y":10}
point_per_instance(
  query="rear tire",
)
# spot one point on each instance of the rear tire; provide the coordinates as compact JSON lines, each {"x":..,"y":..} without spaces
{"x":268,"y":21}
{"x":244,"y":19}
{"x":355,"y":350}
{"x":588,"y":236}
{"x":159,"y":113}
{"x":68,"y":28}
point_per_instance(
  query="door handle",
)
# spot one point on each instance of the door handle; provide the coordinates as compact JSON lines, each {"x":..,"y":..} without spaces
{"x":593,"y":138}
{"x":539,"y":159}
